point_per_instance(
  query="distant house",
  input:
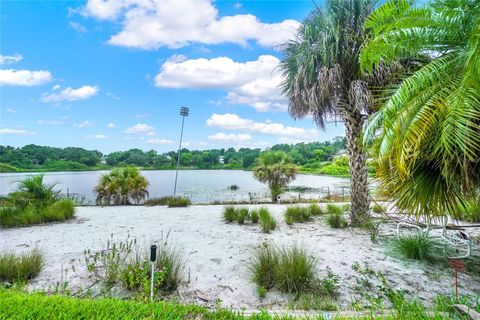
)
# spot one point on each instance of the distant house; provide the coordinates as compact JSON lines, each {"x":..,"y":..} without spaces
{"x":221,"y":159}
{"x":103,"y":160}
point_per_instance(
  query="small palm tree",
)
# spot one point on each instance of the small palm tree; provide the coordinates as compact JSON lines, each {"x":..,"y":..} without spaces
{"x":122,"y":186}
{"x":427,"y":134}
{"x":276,"y":169}
{"x":32,"y":190}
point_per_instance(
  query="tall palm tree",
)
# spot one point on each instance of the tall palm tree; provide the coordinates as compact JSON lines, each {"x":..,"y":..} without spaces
{"x":323,"y":79}
{"x":276,"y":169}
{"x":427,"y":134}
{"x":122,"y":186}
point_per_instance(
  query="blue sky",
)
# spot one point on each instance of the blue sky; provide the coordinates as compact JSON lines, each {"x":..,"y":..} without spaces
{"x":112,"y":75}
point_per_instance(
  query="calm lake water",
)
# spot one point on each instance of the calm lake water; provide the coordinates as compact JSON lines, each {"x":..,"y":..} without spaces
{"x":199,"y":185}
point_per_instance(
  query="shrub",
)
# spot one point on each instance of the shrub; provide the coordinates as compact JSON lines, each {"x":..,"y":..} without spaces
{"x":59,"y":211}
{"x":178,"y":202}
{"x":262,"y":266}
{"x":336,"y":220}
{"x":296,"y":270}
{"x":229,"y":214}
{"x":162,"y":201}
{"x":171,"y":262}
{"x":471,"y":210}
{"x":242,"y":214}
{"x":378,"y":208}
{"x":416,"y":247}
{"x":267,"y":222}
{"x":297,"y":214}
{"x":315,"y":209}
{"x":20,"y":267}
{"x":333,"y":209}
{"x":122,"y":186}
{"x":254,"y":216}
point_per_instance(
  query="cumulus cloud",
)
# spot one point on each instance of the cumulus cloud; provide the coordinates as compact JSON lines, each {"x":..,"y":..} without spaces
{"x":28,"y":78}
{"x":15,"y":132}
{"x":159,"y":141}
{"x":70,"y":94}
{"x":230,"y":137}
{"x":10,"y":59}
{"x":96,"y":137}
{"x":140,"y":128}
{"x":82,"y":124}
{"x":230,"y":121}
{"x":254,"y":83}
{"x":155,"y":23}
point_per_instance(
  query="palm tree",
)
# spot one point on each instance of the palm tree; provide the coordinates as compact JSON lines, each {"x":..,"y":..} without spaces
{"x":323,"y":79}
{"x":276,"y":169}
{"x":427,"y":135}
{"x":32,"y":190}
{"x":122,"y":186}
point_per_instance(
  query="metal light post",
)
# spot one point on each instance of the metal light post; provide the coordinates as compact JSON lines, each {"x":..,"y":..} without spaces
{"x":183,"y":113}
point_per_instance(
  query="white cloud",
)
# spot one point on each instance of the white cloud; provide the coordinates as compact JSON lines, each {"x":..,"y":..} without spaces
{"x":70,"y":94}
{"x":172,"y":23}
{"x":10,"y":110}
{"x":96,"y":137}
{"x":230,"y":121}
{"x":82,"y":124}
{"x":111,"y":95}
{"x":51,"y":122}
{"x":77,"y":27}
{"x":230,"y":137}
{"x":13,"y":77}
{"x":10,"y":59}
{"x":111,"y":125}
{"x":254,"y":83}
{"x":159,"y":141}
{"x":140,"y":128}
{"x":16,"y":132}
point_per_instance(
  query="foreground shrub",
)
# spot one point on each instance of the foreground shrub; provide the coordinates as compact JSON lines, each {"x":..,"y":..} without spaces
{"x":20,"y":267}
{"x":297,"y":214}
{"x":262,"y":266}
{"x":336,"y":220}
{"x":416,"y":247}
{"x":178,"y":202}
{"x":254,"y":216}
{"x":333,"y":209}
{"x":315,"y":209}
{"x":171,"y":262}
{"x":267,"y":222}
{"x":229,"y":214}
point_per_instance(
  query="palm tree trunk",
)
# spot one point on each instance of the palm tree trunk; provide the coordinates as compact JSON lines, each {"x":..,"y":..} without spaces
{"x":358,"y":168}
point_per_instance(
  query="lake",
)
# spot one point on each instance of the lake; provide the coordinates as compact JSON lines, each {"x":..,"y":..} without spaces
{"x":199,"y":185}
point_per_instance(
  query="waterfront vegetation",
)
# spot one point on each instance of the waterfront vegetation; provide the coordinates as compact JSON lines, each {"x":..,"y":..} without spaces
{"x":34,"y":202}
{"x":21,"y":267}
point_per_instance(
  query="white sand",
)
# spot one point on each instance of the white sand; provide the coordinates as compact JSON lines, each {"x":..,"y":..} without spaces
{"x":217,"y":252}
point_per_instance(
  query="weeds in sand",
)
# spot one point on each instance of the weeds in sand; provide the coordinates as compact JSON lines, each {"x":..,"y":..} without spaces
{"x":229,"y":214}
{"x":297,"y":214}
{"x":372,"y":227}
{"x":263,"y":265}
{"x":242,"y":215}
{"x":262,"y":292}
{"x":161,"y":201}
{"x":310,"y":301}
{"x":21,"y":267}
{"x":336,"y":220}
{"x":416,"y":247}
{"x":267,"y":222}
{"x":333,"y":209}
{"x":174,"y":202}
{"x":254,"y":216}
{"x":315,"y":209}
{"x":378,"y":208}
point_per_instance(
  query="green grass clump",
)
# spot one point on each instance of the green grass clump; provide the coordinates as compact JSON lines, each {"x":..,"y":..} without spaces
{"x":336,"y":220}
{"x":242,"y":215}
{"x":378,"y":208}
{"x":229,"y":214}
{"x":297,"y":214}
{"x":267,"y":222}
{"x":262,"y":266}
{"x":333,"y":209}
{"x":254,"y":216}
{"x":20,"y":267}
{"x":471,"y":211}
{"x":315,"y":209}
{"x":161,"y":201}
{"x":174,"y":202}
{"x":171,"y":262}
{"x":416,"y":247}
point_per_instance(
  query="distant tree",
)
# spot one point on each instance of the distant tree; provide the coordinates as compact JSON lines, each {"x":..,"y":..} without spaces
{"x":122,"y":186}
{"x":275,"y":168}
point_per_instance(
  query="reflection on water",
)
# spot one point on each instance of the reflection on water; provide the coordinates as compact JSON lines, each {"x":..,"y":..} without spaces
{"x":200,"y":185}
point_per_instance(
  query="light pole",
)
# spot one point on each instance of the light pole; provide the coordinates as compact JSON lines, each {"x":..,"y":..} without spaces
{"x":183,"y":113}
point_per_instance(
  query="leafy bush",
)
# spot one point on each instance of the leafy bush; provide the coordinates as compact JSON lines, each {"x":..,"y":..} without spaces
{"x":297,"y":214}
{"x":378,"y":208}
{"x":122,"y":186}
{"x":471,"y":210}
{"x":336,"y":220}
{"x":416,"y":247}
{"x":334,"y":209}
{"x":162,"y":201}
{"x":178,"y":202}
{"x":267,"y":222}
{"x":20,"y":267}
{"x":254,"y":216}
{"x":315,"y":209}
{"x":230,"y":214}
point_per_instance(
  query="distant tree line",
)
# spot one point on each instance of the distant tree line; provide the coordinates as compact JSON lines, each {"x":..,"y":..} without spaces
{"x":311,"y":155}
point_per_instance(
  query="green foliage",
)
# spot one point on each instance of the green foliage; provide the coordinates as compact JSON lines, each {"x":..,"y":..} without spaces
{"x":7,"y":168}
{"x":315,"y":210}
{"x":229,"y":214}
{"x":416,"y":247}
{"x":262,"y":266}
{"x":378,"y":208}
{"x":242,"y":214}
{"x":162,"y":201}
{"x":470,"y":211}
{"x":275,"y":168}
{"x":262,"y":292}
{"x":178,"y":202}
{"x":311,"y":301}
{"x":122,"y":186}
{"x":171,"y":262}
{"x":254,"y":216}
{"x":297,"y":214}
{"x":267,"y":222}
{"x":22,"y":267}
{"x":336,"y":220}
{"x":333,"y":209}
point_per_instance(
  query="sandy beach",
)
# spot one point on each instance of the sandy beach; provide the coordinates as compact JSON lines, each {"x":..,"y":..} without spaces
{"x":217,"y":253}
